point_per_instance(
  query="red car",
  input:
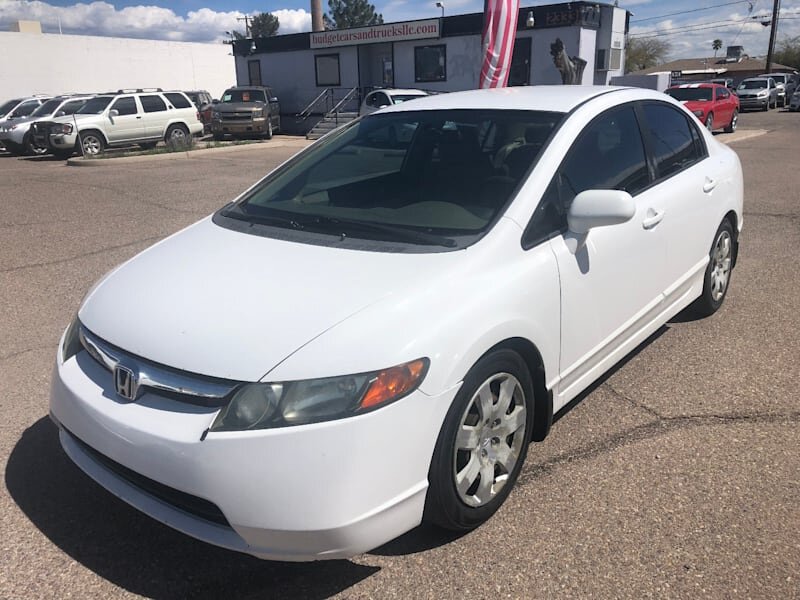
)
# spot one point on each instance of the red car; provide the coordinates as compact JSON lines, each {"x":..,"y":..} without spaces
{"x":713,"y":104}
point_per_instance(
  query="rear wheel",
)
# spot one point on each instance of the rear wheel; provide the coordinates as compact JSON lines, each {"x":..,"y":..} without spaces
{"x":718,"y":272}
{"x":177,"y":136}
{"x":483,"y":443}
{"x":734,"y":122}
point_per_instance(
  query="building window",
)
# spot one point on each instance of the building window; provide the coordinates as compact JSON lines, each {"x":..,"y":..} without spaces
{"x":430,"y":63}
{"x":254,"y":71}
{"x":327,"y":68}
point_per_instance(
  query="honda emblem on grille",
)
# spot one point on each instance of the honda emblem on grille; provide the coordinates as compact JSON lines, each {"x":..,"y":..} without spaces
{"x":125,"y":382}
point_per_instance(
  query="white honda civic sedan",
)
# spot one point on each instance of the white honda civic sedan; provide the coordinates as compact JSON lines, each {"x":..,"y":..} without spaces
{"x":372,"y":334}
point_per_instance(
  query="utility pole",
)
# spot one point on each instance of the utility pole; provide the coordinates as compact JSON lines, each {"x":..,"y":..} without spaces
{"x":247,"y":18}
{"x":776,"y":9}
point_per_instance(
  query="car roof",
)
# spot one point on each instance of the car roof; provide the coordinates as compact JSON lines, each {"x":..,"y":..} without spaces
{"x":391,"y":91}
{"x":552,"y":98}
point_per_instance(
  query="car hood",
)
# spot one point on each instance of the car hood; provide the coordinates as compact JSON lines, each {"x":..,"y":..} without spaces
{"x":221,"y":303}
{"x":231,"y":107}
{"x":754,"y":92}
{"x":24,"y":120}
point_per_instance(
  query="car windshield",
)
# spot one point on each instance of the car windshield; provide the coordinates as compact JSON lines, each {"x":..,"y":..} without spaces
{"x":753,"y":84}
{"x":691,"y":94}
{"x":5,"y":108}
{"x":777,"y":78}
{"x":243,"y":96}
{"x":414,"y":177}
{"x":95,"y":106}
{"x":47,"y":109}
{"x":400,"y":98}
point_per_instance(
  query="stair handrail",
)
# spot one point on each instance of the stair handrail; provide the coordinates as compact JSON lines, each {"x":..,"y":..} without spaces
{"x":339,"y":105}
{"x":326,"y":94}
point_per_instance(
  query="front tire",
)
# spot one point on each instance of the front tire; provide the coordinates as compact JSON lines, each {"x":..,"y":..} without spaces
{"x":483,"y":443}
{"x":268,"y":134}
{"x":92,"y":143}
{"x":31,"y":148}
{"x":734,"y":122}
{"x":710,"y":122}
{"x":718,"y":272}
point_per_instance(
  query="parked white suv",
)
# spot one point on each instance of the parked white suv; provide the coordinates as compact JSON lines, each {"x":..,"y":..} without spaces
{"x":141,"y":117}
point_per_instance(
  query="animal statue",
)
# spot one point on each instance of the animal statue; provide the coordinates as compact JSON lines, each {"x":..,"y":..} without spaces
{"x":571,"y":68}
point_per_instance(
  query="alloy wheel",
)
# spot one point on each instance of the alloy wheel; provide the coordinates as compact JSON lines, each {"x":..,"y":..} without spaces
{"x":490,"y":439}
{"x":721,"y":265}
{"x":92,"y":145}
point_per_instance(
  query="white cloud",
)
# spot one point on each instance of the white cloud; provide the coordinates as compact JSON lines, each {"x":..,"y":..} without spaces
{"x":146,"y":22}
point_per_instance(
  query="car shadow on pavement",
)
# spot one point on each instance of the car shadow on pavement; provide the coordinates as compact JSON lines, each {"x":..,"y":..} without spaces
{"x":139,"y":554}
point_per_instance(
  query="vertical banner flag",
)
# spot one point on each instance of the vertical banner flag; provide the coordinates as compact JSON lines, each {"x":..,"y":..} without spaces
{"x":499,"y":31}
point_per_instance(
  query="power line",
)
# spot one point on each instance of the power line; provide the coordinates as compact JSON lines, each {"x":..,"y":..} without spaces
{"x":683,"y":12}
{"x":687,"y":28}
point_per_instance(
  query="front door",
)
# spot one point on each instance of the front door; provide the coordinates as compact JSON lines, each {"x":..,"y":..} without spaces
{"x":127,"y":124}
{"x":611,"y":281}
{"x":375,"y":66}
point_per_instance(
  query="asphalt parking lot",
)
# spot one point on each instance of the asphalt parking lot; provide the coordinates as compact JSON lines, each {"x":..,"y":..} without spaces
{"x":676,"y":476}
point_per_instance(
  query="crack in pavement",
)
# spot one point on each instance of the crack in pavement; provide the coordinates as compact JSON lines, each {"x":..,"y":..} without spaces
{"x":662,"y":426}
{"x":92,"y":253}
{"x":21,"y":352}
{"x":616,"y":393}
{"x":773,"y":215}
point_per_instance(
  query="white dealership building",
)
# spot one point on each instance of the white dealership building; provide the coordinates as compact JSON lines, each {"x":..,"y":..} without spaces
{"x":586,"y":39}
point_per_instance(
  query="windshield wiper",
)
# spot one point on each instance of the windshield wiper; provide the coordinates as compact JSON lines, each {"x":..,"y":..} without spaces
{"x":237,"y":213}
{"x":397,"y":233}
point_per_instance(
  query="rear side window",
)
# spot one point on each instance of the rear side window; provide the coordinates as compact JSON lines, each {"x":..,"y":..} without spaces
{"x":125,"y":106}
{"x":152,"y":104}
{"x":675,"y":143}
{"x":178,"y":100}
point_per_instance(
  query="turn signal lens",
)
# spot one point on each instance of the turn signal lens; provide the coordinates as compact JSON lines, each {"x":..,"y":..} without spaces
{"x":395,"y":382}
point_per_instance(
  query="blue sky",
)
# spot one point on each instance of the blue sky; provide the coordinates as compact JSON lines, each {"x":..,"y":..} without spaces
{"x":687,"y":25}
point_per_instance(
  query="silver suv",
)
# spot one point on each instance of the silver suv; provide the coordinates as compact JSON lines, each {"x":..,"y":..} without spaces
{"x":17,"y":134}
{"x":17,"y":108}
{"x":142,"y":117}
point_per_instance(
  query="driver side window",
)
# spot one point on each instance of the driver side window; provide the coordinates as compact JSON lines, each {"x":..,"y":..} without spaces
{"x":608,"y":155}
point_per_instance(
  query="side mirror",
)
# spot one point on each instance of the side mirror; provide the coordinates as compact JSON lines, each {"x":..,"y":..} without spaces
{"x":113,"y":113}
{"x":598,"y":208}
{"x":273,"y":99}
{"x":60,"y":113}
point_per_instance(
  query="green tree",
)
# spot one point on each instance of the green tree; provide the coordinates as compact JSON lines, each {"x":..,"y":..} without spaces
{"x":351,"y":13}
{"x":643,"y":53}
{"x":788,"y":52}
{"x":716,"y":45}
{"x":261,"y":25}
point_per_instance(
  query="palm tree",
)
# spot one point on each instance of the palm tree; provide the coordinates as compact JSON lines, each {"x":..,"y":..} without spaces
{"x":716,"y":45}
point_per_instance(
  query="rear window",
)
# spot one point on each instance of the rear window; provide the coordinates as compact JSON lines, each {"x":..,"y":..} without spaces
{"x":178,"y":100}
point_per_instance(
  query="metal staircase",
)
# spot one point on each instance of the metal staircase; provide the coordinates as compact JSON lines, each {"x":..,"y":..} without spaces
{"x":335,"y":113}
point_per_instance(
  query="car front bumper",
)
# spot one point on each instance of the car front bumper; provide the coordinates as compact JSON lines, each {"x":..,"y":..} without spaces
{"x":321,"y":491}
{"x":256,"y":125}
{"x":62,"y":141}
{"x":14,"y":136}
{"x":745,"y":102}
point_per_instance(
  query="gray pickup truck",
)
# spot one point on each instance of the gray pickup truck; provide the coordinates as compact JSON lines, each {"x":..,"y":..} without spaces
{"x":245,"y":111}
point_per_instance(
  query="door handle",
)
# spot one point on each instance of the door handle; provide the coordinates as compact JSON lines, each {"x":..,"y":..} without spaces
{"x":709,"y":184}
{"x":653,"y":218}
{"x":138,"y":117}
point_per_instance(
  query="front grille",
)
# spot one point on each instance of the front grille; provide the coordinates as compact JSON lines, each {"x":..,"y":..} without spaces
{"x":198,"y":507}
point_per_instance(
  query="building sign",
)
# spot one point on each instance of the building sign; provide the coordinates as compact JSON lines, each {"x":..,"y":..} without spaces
{"x":395,"y":32}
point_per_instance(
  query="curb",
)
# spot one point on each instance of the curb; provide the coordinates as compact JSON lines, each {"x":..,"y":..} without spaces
{"x":742,"y":134}
{"x":294,"y":142}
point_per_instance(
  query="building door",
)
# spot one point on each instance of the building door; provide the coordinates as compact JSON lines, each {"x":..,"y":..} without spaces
{"x":375,"y":66}
{"x":520,"y":73}
{"x":254,"y":71}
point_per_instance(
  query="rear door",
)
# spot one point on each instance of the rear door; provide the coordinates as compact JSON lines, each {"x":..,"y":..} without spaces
{"x":155,"y":115}
{"x":127,"y":124}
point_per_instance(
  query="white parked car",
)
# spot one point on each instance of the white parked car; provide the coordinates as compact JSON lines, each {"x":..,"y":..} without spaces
{"x":19,"y":108}
{"x":15,"y":134}
{"x":381,"y":98}
{"x":371,"y":335}
{"x":125,"y":118}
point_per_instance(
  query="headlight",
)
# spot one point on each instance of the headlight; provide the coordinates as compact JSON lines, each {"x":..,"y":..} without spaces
{"x":698,"y":113}
{"x":763,"y":94}
{"x":271,"y":405}
{"x":62,"y":128}
{"x":258,"y":112}
{"x":72,"y":341}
